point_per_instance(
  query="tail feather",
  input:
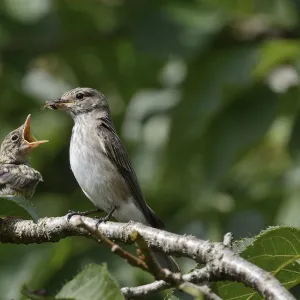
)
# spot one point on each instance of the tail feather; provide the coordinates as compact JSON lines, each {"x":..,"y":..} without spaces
{"x":166,"y":262}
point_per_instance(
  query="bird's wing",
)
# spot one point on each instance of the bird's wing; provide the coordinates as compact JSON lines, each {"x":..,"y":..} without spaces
{"x":116,"y":153}
{"x":7,"y":174}
{"x":18,"y":176}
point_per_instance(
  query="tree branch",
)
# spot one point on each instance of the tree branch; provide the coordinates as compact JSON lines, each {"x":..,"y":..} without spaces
{"x":221,"y":261}
{"x":197,"y":276}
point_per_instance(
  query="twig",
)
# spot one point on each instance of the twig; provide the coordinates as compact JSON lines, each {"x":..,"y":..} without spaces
{"x":128,"y":257}
{"x":151,"y":265}
{"x":228,"y":239}
{"x":197,"y":276}
{"x":154,"y":267}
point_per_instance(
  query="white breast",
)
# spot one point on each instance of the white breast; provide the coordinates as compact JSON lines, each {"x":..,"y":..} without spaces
{"x":91,"y":169}
{"x":98,"y":177}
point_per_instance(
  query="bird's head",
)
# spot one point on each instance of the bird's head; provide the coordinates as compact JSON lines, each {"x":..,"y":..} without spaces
{"x":80,"y":101}
{"x":17,"y":145}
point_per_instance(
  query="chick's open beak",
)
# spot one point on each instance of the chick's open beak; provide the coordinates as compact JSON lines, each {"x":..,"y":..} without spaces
{"x":30,"y":140}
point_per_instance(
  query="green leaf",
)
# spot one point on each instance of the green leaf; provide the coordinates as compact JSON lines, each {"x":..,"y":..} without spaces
{"x":191,"y":290}
{"x":93,"y":283}
{"x":170,"y":296}
{"x":25,"y":204}
{"x":276,"y":250}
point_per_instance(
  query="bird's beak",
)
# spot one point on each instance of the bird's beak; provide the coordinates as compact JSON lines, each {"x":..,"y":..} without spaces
{"x":30,"y":140}
{"x":59,"y":103}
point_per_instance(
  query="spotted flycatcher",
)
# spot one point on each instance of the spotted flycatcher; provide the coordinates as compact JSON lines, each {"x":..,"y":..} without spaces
{"x":101,"y":165}
{"x":17,"y":178}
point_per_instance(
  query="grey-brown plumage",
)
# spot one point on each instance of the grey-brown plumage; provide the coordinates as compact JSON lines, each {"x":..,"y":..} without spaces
{"x":17,"y":178}
{"x":100,"y":162}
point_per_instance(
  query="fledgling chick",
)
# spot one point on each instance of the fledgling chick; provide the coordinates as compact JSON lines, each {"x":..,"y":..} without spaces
{"x":17,"y":177}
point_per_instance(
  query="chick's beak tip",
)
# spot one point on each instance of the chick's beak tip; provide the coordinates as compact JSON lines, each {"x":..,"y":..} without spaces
{"x":29,"y":138}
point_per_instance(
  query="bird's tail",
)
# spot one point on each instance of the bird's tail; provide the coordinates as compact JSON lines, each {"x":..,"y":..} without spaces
{"x":166,"y":261}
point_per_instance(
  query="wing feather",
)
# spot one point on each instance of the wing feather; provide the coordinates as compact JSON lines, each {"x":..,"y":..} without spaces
{"x":7,"y":174}
{"x":117,"y":154}
{"x":18,"y":176}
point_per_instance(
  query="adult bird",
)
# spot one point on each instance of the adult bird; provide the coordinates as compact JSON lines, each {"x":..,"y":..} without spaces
{"x":101,"y":165}
{"x":17,"y":178}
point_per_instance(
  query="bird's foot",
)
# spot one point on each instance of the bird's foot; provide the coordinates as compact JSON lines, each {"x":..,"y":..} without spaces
{"x":71,"y":213}
{"x":107,"y":217}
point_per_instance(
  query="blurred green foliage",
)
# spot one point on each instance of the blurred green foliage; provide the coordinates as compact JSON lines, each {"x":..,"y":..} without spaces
{"x":204,"y":93}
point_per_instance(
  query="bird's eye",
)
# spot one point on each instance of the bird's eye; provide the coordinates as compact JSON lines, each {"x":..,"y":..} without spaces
{"x":15,"y":137}
{"x":79,"y":96}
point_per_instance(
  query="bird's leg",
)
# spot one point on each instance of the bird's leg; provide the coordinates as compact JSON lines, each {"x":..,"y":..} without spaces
{"x":71,"y":213}
{"x":106,"y":218}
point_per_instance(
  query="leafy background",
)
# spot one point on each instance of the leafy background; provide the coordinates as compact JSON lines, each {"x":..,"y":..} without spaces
{"x":204,"y":93}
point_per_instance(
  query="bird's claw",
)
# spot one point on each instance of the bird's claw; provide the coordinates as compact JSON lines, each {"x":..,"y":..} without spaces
{"x":99,"y":221}
{"x":102,"y":220}
{"x":106,"y":218}
{"x":72,"y":213}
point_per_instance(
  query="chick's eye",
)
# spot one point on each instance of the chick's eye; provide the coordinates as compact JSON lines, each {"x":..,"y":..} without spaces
{"x":15,"y":137}
{"x":79,"y":96}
